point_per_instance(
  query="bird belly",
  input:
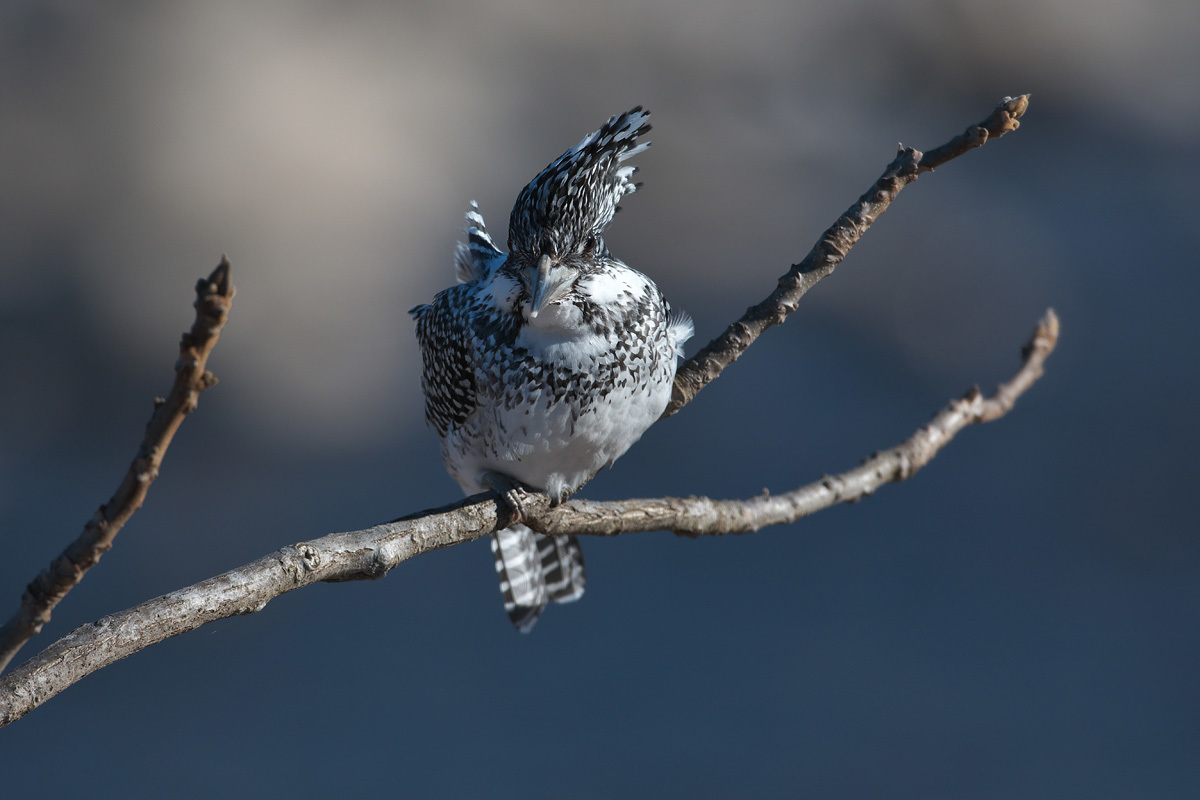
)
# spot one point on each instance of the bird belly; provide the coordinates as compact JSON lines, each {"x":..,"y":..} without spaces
{"x":554,"y":444}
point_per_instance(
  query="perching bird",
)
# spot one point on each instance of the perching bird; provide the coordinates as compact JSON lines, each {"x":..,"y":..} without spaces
{"x":546,"y":364}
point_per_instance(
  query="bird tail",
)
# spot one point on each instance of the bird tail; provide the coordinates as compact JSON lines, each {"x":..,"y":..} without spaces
{"x":535,"y":569}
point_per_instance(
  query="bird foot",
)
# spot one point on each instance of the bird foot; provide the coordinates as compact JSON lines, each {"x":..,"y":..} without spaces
{"x":512,"y":491}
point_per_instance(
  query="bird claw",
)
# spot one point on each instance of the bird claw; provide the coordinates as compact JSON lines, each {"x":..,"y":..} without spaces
{"x":513,"y":493}
{"x":516,"y":501}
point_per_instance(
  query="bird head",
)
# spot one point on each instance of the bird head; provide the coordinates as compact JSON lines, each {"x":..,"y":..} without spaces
{"x":549,"y":273}
{"x":557,"y":223}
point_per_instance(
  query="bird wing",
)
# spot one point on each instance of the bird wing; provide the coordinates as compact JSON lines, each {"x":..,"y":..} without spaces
{"x":448,"y":358}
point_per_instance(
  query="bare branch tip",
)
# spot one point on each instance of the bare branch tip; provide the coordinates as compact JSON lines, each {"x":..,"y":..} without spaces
{"x":219,"y":281}
{"x":1044,"y":338}
{"x":1049,"y":324}
{"x":1007,"y":114}
{"x":1016,"y":105}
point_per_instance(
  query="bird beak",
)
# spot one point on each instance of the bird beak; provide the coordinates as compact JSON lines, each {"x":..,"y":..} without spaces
{"x":549,"y":283}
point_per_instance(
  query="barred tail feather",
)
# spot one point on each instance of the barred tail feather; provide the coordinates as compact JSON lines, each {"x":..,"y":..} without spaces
{"x":535,"y":569}
{"x":519,"y":566}
{"x":562,"y":567}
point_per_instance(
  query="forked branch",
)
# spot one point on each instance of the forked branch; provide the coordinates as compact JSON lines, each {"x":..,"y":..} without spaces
{"x":371,"y":553}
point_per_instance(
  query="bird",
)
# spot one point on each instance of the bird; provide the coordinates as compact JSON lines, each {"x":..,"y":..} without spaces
{"x":544,"y":364}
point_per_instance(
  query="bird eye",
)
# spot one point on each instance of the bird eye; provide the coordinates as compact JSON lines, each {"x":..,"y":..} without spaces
{"x":591,"y":242}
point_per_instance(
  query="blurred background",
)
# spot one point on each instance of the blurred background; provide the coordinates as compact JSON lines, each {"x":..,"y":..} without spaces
{"x":1020,"y":620}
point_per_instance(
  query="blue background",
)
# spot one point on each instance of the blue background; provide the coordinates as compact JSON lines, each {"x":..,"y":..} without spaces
{"x":1020,"y":620}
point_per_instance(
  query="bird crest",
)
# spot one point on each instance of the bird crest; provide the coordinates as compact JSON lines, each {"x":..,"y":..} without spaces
{"x":570,"y":203}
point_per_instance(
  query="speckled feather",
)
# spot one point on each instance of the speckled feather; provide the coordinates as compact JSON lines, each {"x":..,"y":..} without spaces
{"x":547,"y":400}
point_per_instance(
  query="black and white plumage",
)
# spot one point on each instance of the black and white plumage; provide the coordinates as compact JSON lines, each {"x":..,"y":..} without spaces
{"x":546,"y":364}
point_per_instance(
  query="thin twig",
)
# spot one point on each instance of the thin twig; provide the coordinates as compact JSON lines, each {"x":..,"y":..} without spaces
{"x":699,"y":370}
{"x":371,"y":553}
{"x":213,"y":298}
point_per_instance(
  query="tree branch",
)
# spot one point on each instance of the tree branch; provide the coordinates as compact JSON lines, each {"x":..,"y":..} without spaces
{"x":213,"y":298}
{"x":702,"y":516}
{"x":371,"y":553}
{"x":699,"y":370}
